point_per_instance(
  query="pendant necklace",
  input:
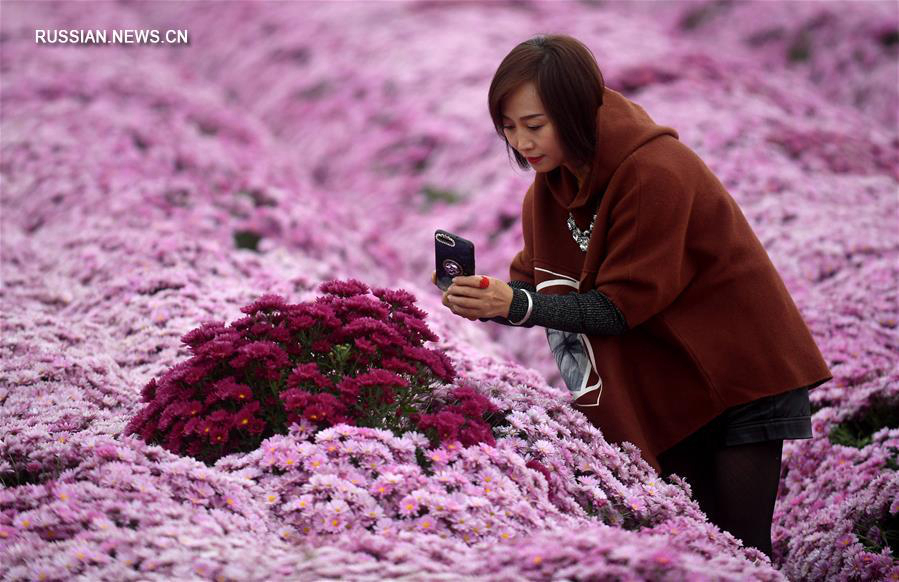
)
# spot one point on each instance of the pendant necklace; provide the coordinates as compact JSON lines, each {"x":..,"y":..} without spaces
{"x":581,"y":237}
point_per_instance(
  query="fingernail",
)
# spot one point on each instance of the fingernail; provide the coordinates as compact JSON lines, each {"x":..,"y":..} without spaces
{"x":454,"y":279}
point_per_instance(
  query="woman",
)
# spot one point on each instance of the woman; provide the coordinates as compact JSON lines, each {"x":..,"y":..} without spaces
{"x":671,"y":327}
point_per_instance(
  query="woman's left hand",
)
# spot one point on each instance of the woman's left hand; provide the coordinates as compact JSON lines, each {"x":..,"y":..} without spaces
{"x":467,"y":297}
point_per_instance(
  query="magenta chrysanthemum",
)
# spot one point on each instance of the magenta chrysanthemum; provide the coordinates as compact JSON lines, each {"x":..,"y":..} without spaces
{"x":347,"y":288}
{"x":258,"y":377}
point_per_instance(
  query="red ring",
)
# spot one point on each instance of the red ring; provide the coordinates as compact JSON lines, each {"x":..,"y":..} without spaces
{"x":485,"y":282}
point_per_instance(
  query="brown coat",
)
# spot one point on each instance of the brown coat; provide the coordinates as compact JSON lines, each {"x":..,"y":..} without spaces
{"x":711,"y":323}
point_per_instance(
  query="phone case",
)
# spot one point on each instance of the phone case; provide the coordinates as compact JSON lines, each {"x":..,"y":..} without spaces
{"x":455,"y":257}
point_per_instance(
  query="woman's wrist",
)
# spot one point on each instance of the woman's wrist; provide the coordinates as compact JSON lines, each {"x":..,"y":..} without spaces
{"x":511,"y":298}
{"x":520,"y":308}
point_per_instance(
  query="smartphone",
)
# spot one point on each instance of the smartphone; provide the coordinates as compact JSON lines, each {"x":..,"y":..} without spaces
{"x":455,"y":257}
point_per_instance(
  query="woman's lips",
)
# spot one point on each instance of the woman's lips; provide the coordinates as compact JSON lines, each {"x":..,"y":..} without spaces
{"x":535,"y":160}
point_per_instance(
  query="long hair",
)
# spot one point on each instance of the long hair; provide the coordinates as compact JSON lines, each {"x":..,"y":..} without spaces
{"x":569,"y":84}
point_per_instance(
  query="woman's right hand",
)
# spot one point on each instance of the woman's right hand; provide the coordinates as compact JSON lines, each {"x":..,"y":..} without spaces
{"x":445,"y":299}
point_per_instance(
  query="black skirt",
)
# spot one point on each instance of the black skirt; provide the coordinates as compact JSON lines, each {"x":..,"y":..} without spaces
{"x":781,"y":416}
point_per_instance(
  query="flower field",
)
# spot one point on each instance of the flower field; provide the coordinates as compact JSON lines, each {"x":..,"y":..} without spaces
{"x":179,"y":222}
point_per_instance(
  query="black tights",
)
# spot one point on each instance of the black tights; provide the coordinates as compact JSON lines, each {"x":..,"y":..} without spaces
{"x":735,"y":486}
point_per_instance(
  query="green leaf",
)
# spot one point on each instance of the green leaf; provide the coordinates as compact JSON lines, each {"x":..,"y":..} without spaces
{"x":423,"y":461}
{"x":247,"y":239}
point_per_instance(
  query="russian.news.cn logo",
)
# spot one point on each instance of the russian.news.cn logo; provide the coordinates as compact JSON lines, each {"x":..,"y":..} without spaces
{"x":115,"y":36}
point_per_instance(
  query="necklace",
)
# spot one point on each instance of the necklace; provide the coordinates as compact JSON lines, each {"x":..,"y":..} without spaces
{"x":581,"y":237}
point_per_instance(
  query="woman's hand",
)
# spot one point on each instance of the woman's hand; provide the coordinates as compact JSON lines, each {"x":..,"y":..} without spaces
{"x":466,"y":298}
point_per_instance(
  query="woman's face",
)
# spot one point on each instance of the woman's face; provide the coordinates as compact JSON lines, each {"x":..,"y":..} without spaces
{"x":529,"y":130}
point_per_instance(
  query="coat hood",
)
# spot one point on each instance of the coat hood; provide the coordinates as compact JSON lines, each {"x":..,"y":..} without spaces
{"x":622,"y":127}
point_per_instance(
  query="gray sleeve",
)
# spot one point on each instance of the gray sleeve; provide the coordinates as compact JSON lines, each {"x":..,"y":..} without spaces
{"x":592,"y":312}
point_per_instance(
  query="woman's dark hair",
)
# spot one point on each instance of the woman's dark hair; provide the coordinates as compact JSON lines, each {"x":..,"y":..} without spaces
{"x":569,"y":84}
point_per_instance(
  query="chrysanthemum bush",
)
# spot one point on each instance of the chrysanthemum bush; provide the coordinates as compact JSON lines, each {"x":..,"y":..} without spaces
{"x":838,"y":505}
{"x":349,"y":357}
{"x":129,"y":509}
{"x":838,"y":509}
{"x":848,"y":54}
{"x":125,"y":509}
{"x":132,"y":511}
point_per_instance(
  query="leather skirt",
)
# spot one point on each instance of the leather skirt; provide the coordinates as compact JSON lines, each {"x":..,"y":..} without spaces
{"x":781,"y":416}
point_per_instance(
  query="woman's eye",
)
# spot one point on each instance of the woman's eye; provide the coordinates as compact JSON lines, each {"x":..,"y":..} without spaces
{"x":528,"y":126}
